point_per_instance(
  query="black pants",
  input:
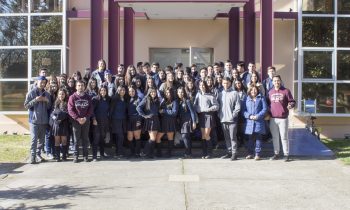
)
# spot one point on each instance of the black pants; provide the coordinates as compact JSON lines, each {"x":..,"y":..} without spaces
{"x":99,"y":140}
{"x":186,"y":138}
{"x":119,"y":139}
{"x":81,"y":137}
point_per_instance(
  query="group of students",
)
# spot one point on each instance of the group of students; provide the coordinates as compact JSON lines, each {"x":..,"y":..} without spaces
{"x":153,"y":102}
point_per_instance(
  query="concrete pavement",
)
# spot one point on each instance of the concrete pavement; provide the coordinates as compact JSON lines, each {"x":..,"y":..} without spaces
{"x":160,"y":184}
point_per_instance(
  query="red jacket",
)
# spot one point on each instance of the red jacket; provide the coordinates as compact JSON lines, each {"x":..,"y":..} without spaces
{"x":278,"y":101}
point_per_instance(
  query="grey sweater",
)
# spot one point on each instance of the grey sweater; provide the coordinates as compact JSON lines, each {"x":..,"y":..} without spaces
{"x":230,"y":105}
{"x":205,"y":103}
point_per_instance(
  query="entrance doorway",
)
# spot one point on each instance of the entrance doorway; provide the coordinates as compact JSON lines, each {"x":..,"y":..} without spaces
{"x":188,"y":56}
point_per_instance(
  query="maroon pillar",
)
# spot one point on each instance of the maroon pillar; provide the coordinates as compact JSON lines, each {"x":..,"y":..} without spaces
{"x":129,"y":33}
{"x":113,"y":35}
{"x":249,"y":31}
{"x":233,"y":35}
{"x":96,"y":50}
{"x":266,"y":35}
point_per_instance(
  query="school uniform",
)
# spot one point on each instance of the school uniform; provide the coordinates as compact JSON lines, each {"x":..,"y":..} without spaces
{"x":152,"y":123}
{"x":255,"y":128}
{"x":205,"y":105}
{"x":134,"y":123}
{"x":118,"y":119}
{"x":186,"y":117}
{"x":168,"y":117}
{"x":102,"y":116}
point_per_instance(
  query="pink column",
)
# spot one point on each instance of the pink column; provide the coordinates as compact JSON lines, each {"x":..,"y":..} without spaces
{"x":233,"y":36}
{"x":113,"y":35}
{"x":96,"y":50}
{"x":266,"y":37}
{"x":129,"y":34}
{"x":249,"y":31}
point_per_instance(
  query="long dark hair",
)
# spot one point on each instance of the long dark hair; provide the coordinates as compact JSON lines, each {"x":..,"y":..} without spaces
{"x":182,"y":102}
{"x":150,"y":100}
{"x":61,"y":104}
{"x":99,"y":96}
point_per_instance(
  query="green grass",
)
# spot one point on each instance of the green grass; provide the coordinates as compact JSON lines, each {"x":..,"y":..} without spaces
{"x":341,"y":148}
{"x":14,"y":148}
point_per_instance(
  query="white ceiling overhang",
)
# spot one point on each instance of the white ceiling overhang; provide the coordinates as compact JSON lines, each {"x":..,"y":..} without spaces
{"x":181,"y":10}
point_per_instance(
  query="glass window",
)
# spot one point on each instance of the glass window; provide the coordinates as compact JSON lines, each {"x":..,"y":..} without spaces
{"x":317,"y":64}
{"x":13,"y":63}
{"x":318,"y":32}
{"x":343,"y":98}
{"x":13,"y":31}
{"x":13,"y":6}
{"x":318,"y":6}
{"x":343,"y":32}
{"x":50,"y":59}
{"x":12,"y":95}
{"x":169,"y":56}
{"x":343,"y":71}
{"x":319,"y":93}
{"x":343,"y":6}
{"x":46,"y":30}
{"x":40,"y":6}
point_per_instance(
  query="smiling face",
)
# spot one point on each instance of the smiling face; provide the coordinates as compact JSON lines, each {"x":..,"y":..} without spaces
{"x":180,"y":93}
{"x":226,"y":84}
{"x":80,"y":87}
{"x":153,"y":93}
{"x":122,"y":92}
{"x":276,"y":81}
{"x":103,"y":92}
{"x":41,"y":84}
{"x":132,"y":92}
{"x":61,"y":95}
{"x":202,"y":87}
{"x":254,"y":92}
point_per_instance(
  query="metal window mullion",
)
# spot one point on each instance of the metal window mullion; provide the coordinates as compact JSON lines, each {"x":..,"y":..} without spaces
{"x":14,"y":80}
{"x":13,"y":47}
{"x":317,"y":15}
{"x":13,"y":14}
{"x":335,"y":53}
{"x":300,"y":54}
{"x":28,"y":44}
{"x":308,"y":80}
{"x":46,"y":47}
{"x":64,"y":38}
{"x":318,"y":48}
{"x":47,"y":14}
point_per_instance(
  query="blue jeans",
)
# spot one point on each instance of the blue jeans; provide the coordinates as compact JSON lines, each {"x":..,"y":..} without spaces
{"x":255,"y":139}
{"x":37,"y":134}
{"x":49,"y":141}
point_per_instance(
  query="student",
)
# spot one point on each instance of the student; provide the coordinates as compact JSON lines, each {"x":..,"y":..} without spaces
{"x":228,"y":69}
{"x":100,"y":121}
{"x":111,"y":87}
{"x":71,"y":86}
{"x":191,"y":90}
{"x":60,"y":124}
{"x":118,"y":116}
{"x":130,"y":74}
{"x":169,"y":83}
{"x":205,"y":105}
{"x":136,"y":81}
{"x":149,"y":109}
{"x":241,"y":121}
{"x":254,"y":81}
{"x":162,"y":77}
{"x":49,"y":139}
{"x":99,"y":73}
{"x":179,"y":81}
{"x":280,"y":101}
{"x":230,"y":106}
{"x":80,"y":108}
{"x":92,"y":88}
{"x":38,"y":103}
{"x":267,"y":83}
{"x":188,"y":120}
{"x":168,"y":112}
{"x":42,"y":73}
{"x":134,"y":122}
{"x":254,"y":109}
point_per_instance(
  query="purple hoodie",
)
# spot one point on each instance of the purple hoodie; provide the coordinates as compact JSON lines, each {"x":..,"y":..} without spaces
{"x":80,"y":106}
{"x":278,"y":101}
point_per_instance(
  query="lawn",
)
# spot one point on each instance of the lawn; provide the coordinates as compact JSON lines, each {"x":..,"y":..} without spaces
{"x":341,"y":148}
{"x":14,"y":148}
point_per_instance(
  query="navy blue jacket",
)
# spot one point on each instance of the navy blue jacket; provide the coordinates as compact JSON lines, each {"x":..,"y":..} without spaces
{"x":131,"y":108}
{"x":101,"y":108}
{"x":169,"y":110}
{"x":186,"y":111}
{"x":154,"y":108}
{"x":118,"y":108}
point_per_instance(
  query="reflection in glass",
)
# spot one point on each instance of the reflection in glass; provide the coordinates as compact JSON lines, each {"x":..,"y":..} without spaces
{"x":318,"y":6}
{"x":13,"y":63}
{"x":343,"y":32}
{"x":343,"y":6}
{"x":50,"y":59}
{"x":343,"y":98}
{"x":317,"y":64}
{"x":12,"y":96}
{"x":46,"y":30}
{"x":318,"y":32}
{"x":343,"y":60}
{"x":13,"y":31}
{"x":321,"y":94}
{"x":13,"y":6}
{"x":46,"y":5}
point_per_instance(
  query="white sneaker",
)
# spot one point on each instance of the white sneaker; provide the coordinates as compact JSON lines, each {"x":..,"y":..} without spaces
{"x":49,"y":156}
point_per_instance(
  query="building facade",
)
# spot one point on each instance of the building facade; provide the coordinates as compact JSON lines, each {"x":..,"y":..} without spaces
{"x":307,"y":40}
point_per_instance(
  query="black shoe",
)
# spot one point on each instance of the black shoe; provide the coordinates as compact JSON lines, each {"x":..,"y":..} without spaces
{"x":225,"y":156}
{"x":287,"y":159}
{"x":233,"y":157}
{"x":86,"y":159}
{"x":75,"y":160}
{"x":275,"y":157}
{"x":32,"y":160}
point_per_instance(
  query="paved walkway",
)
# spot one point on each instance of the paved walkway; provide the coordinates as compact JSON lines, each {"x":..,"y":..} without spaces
{"x":161,"y":184}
